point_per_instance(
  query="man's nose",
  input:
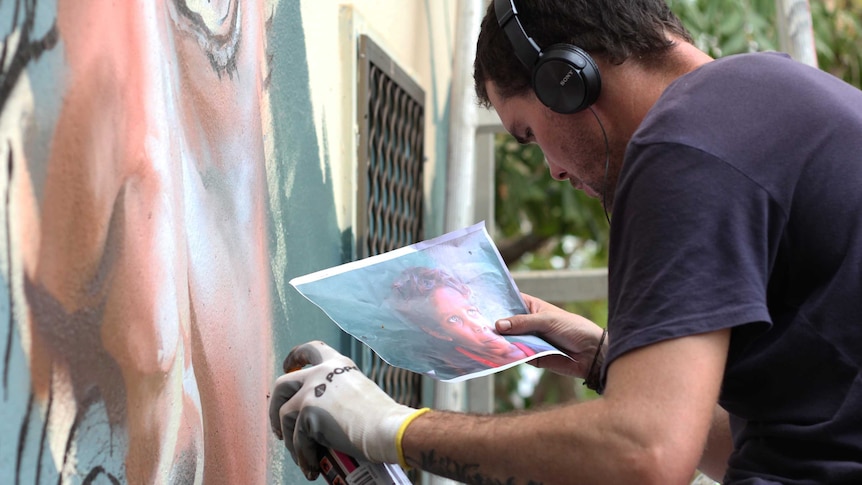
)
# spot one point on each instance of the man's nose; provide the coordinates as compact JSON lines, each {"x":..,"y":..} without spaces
{"x":557,"y":172}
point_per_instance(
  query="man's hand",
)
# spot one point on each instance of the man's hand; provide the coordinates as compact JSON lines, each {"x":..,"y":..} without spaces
{"x":333,"y":404}
{"x":573,"y":334}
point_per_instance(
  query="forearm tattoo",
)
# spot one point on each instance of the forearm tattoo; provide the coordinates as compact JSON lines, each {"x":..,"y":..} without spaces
{"x":463,"y":472}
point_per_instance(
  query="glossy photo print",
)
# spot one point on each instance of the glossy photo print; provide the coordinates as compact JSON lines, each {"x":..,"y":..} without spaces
{"x":429,"y":307}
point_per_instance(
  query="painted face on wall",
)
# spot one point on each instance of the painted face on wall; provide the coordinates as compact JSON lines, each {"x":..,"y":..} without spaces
{"x":148,"y":286}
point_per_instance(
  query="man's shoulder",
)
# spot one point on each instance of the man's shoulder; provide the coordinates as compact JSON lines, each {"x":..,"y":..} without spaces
{"x":745,"y":65}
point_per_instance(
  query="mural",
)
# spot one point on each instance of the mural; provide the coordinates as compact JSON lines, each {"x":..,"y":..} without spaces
{"x":134,"y":307}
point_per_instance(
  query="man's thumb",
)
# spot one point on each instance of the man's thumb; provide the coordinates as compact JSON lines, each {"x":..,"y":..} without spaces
{"x":517,"y":324}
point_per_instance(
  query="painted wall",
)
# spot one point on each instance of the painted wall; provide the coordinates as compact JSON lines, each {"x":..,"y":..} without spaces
{"x":167,"y":167}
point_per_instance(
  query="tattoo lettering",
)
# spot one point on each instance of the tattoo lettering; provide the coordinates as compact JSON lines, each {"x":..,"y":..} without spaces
{"x":463,"y":472}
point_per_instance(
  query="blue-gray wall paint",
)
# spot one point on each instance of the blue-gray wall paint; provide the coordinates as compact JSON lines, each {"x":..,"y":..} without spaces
{"x":305,"y":216}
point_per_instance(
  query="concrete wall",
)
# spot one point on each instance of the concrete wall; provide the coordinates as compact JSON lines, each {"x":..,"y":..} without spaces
{"x":167,"y":167}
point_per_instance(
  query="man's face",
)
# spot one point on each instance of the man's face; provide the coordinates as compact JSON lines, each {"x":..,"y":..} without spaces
{"x":459,"y":319}
{"x":573,"y":144}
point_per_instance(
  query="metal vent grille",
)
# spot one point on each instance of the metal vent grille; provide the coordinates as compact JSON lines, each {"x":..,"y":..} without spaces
{"x":390,"y":179}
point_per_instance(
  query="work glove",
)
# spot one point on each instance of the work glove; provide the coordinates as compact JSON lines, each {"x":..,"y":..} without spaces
{"x":333,"y":404}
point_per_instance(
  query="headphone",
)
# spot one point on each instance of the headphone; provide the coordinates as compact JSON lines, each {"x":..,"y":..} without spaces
{"x":564,"y":77}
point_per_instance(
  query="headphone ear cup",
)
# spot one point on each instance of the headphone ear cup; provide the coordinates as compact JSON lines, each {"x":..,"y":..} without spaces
{"x":566,"y":79}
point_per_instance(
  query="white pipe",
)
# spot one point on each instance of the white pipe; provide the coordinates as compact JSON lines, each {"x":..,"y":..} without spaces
{"x":795,"y":30}
{"x":461,"y":163}
{"x":461,"y":172}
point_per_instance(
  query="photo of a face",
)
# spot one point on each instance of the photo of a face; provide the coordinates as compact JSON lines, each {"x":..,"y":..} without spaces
{"x":430,"y":308}
{"x":462,"y":322}
{"x":441,"y":306}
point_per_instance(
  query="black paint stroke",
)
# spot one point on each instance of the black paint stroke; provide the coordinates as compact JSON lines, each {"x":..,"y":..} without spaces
{"x":22,"y":439}
{"x":94,"y":474}
{"x":93,"y":396}
{"x":26,"y":51}
{"x":7,"y":358}
{"x":43,"y":435}
{"x":43,"y":439}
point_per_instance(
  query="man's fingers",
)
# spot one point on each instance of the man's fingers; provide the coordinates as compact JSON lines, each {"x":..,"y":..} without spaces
{"x":306,"y":445}
{"x":536,"y":305}
{"x":300,"y":406}
{"x":536,"y":323}
{"x":315,"y":429}
{"x":309,"y":353}
{"x":285,"y":388}
{"x":288,"y":427}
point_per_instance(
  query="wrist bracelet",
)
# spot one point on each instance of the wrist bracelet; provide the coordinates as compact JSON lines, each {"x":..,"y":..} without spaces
{"x":593,"y":379}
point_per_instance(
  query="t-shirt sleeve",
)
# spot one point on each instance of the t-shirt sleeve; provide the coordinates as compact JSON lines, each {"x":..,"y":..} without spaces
{"x":690,"y":248}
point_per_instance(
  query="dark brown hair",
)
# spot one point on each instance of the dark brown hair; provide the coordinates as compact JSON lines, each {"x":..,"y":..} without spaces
{"x":421,"y":282}
{"x":613,"y":29}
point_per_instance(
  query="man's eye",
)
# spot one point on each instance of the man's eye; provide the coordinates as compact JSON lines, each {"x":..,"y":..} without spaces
{"x":472,"y":312}
{"x":213,"y":14}
{"x":215,"y":24}
{"x":526,"y":139}
{"x":454,"y":320}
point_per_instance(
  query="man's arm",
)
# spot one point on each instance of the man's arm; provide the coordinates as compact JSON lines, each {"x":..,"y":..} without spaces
{"x":650,"y":426}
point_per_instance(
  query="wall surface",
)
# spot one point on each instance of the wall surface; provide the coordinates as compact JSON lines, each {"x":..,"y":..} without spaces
{"x":167,"y":167}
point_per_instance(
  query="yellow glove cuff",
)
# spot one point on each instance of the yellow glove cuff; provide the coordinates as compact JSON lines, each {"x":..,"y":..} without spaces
{"x":400,"y":436}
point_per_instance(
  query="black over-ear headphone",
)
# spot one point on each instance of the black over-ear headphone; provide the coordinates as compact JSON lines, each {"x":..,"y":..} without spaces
{"x":565,"y":78}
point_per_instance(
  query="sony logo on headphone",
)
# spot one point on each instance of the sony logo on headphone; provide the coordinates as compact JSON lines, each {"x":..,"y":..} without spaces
{"x":567,"y":77}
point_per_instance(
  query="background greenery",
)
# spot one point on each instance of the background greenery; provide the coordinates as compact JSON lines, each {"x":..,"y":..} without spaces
{"x":545,"y":224}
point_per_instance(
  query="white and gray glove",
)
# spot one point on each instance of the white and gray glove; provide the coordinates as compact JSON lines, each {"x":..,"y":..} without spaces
{"x":334,"y":405}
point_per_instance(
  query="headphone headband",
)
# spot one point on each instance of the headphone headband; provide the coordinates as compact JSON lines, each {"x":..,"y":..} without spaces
{"x":564,"y":77}
{"x":526,"y":49}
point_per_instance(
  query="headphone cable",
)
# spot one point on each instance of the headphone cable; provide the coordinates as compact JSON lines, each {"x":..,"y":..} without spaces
{"x":607,"y":164}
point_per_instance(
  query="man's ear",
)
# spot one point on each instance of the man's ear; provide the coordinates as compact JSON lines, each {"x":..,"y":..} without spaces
{"x":436,"y":334}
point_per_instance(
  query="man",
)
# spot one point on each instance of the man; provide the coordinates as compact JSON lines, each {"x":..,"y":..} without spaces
{"x":734,"y":274}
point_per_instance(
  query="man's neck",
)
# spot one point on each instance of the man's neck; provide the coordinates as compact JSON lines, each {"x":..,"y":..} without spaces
{"x":633,"y":87}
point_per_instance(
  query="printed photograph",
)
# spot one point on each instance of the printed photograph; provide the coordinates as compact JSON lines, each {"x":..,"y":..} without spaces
{"x":430,"y":307}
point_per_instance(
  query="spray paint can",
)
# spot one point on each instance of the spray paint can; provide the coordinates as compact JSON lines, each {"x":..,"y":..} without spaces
{"x":338,"y":468}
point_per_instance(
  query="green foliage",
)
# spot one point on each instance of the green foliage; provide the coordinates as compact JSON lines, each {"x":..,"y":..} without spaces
{"x":838,"y":38}
{"x":726,"y":27}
